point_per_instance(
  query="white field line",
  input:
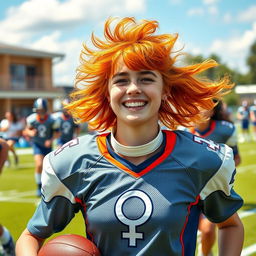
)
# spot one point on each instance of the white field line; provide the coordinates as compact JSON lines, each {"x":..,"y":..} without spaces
{"x":249,"y":250}
{"x":247,"y":168}
{"x":247,"y":213}
{"x":18,"y":197}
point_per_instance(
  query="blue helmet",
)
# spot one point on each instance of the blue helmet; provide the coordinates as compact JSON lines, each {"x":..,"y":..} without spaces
{"x":40,"y":103}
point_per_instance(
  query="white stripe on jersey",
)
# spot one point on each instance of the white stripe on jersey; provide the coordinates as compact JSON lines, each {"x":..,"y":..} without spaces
{"x":51,"y":185}
{"x":223,"y":177}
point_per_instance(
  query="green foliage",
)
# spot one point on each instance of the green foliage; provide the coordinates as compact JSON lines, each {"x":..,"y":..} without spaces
{"x":251,"y":62}
{"x":223,"y":69}
{"x":232,"y":99}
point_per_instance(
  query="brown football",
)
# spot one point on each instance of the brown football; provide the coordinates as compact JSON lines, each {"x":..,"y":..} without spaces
{"x":69,"y":245}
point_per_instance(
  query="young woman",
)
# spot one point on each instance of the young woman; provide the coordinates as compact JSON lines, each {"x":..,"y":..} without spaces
{"x":218,"y":128}
{"x":141,"y":190}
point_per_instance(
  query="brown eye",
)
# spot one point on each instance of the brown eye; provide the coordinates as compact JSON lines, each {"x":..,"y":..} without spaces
{"x":121,"y":81}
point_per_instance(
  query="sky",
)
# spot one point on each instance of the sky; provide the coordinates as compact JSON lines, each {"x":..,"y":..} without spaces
{"x":226,"y":28}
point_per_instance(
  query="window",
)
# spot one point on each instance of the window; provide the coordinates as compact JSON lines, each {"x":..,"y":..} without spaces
{"x":22,"y":76}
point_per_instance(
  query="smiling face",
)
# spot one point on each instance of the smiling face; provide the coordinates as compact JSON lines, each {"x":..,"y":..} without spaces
{"x":135,"y":96}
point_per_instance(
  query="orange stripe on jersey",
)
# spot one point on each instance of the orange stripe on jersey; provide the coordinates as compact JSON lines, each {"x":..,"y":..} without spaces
{"x":41,"y":120}
{"x":170,"y":143}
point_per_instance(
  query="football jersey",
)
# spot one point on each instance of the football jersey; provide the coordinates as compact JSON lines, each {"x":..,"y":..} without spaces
{"x":220,"y":131}
{"x":45,"y":128}
{"x":244,"y":112}
{"x":148,"y":209}
{"x":66,"y":126}
{"x":253,"y":109}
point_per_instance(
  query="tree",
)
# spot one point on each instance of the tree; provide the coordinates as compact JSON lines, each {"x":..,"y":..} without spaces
{"x":251,"y":62}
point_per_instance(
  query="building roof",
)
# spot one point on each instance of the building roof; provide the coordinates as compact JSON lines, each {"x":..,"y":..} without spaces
{"x":17,"y":50}
{"x":246,"y":89}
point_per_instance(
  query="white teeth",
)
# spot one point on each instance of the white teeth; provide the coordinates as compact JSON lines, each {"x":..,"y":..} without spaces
{"x":134,"y":104}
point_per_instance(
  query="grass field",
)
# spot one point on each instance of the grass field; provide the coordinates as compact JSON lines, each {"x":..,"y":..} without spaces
{"x":18,"y":200}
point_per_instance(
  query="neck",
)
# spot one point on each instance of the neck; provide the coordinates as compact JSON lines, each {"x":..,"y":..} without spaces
{"x":138,"y":149}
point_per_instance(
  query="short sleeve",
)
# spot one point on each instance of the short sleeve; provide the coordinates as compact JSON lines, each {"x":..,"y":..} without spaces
{"x":29,"y":120}
{"x":232,"y":141}
{"x":4,"y":123}
{"x":218,"y":199}
{"x":57,"y":207}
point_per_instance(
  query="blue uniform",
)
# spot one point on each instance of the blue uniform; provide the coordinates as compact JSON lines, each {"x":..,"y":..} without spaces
{"x":45,"y":130}
{"x":66,"y":127}
{"x":253,"y":110}
{"x":220,"y":131}
{"x":245,"y":117}
{"x":148,"y":209}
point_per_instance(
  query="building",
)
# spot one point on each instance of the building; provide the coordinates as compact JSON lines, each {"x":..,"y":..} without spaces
{"x":246,"y":92}
{"x":25,"y":75}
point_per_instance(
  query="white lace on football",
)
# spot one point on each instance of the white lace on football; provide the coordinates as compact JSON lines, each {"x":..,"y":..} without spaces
{"x":136,"y":151}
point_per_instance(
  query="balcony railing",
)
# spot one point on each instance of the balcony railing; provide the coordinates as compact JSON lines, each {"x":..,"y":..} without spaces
{"x":28,"y":83}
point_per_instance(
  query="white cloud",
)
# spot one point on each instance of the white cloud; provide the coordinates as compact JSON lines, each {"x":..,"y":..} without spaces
{"x":227,"y":18}
{"x":213,"y":10}
{"x":210,"y":2}
{"x":65,"y":70}
{"x":201,"y":11}
{"x":33,"y":17}
{"x":196,"y":11}
{"x":175,"y":2}
{"x":234,"y":51}
{"x":134,"y":5}
{"x":248,"y":15}
{"x":42,"y":25}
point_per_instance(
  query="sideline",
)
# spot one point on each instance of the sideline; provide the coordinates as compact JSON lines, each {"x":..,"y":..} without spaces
{"x":249,"y":250}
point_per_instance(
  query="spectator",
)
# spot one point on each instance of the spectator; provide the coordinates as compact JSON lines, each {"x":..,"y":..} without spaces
{"x":12,"y":131}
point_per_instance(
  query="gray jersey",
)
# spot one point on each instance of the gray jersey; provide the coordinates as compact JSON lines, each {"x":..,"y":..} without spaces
{"x":220,"y":131}
{"x":45,"y":128}
{"x":149,"y":209}
{"x":66,"y":126}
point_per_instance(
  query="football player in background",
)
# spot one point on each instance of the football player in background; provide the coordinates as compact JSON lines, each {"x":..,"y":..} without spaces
{"x":253,"y":119}
{"x":41,"y":128}
{"x":243,"y":114}
{"x":146,"y":185}
{"x":218,"y":128}
{"x":68,"y":129}
{"x":6,"y":239}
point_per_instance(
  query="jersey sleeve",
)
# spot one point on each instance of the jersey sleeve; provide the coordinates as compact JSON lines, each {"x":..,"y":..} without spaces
{"x":233,"y":142}
{"x":30,"y":120}
{"x":219,"y":200}
{"x":4,"y":123}
{"x":57,"y":207}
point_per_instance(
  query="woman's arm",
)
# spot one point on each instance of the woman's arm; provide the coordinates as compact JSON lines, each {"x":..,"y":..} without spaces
{"x":28,"y":244}
{"x":231,"y":236}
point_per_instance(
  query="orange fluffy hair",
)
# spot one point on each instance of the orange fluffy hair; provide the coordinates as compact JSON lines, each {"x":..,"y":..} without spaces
{"x":140,"y":49}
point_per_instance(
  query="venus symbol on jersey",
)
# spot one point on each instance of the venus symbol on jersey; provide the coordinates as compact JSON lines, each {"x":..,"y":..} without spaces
{"x":132,"y":223}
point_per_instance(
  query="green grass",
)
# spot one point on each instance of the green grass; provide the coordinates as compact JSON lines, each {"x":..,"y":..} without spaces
{"x":15,"y":214}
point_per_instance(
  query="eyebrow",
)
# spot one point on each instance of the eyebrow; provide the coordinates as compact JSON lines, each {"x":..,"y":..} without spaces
{"x":146,"y":72}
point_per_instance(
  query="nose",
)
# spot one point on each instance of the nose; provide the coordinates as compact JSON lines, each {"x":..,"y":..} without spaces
{"x":133,"y":88}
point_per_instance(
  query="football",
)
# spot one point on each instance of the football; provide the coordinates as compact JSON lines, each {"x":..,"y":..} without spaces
{"x":69,"y":245}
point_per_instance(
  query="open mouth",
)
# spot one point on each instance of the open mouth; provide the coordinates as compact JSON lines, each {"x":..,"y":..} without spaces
{"x":134,"y":104}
